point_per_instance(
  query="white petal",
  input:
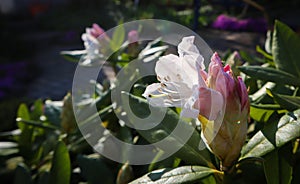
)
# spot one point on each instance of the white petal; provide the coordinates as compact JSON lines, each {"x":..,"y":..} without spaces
{"x":188,"y":109}
{"x":168,"y":95}
{"x":189,"y":51}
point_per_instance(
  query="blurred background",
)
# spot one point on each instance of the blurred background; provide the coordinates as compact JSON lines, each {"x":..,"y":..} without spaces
{"x":33,"y":32}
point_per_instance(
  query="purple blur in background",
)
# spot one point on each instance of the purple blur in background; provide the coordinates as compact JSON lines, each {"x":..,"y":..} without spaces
{"x":226,"y":22}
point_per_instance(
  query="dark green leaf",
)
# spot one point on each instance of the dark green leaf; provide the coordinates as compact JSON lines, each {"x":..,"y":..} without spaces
{"x":288,"y":102}
{"x":184,"y":174}
{"x":248,"y":168}
{"x":270,"y":74}
{"x":188,"y":150}
{"x":274,"y":135}
{"x":60,"y":172}
{"x":285,"y":49}
{"x":94,"y":170}
{"x":166,"y":163}
{"x":22,"y":175}
{"x":277,"y":168}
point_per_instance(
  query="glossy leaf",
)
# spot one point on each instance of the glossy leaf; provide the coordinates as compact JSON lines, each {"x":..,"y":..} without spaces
{"x":94,"y":170}
{"x":188,"y":151}
{"x":274,"y":135}
{"x":270,"y":74}
{"x":285,"y":49}
{"x":60,"y":172}
{"x":184,"y":174}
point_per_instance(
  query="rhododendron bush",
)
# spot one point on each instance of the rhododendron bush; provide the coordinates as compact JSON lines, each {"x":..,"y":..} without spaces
{"x":241,"y":113}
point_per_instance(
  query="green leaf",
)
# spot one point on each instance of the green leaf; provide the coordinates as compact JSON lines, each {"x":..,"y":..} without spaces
{"x":277,"y":166}
{"x":38,"y":124}
{"x":23,"y":113}
{"x":22,"y":175}
{"x":26,"y":138}
{"x":188,"y":151}
{"x":184,"y":174}
{"x":60,"y":172}
{"x":74,"y":55}
{"x":274,"y":135}
{"x":117,"y":38}
{"x":285,"y":49}
{"x":37,"y":110}
{"x":288,"y":102}
{"x":94,"y":170}
{"x":270,"y":74}
{"x":260,"y":115}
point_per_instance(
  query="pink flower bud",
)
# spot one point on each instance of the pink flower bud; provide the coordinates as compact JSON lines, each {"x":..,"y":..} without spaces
{"x":133,"y":36}
{"x":226,"y":144}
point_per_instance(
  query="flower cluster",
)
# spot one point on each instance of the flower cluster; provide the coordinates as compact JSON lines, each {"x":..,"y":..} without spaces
{"x":217,"y":98}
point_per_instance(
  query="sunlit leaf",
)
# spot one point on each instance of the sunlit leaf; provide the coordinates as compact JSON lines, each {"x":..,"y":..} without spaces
{"x":285,"y":49}
{"x":273,"y":135}
{"x":184,"y":174}
{"x":60,"y":172}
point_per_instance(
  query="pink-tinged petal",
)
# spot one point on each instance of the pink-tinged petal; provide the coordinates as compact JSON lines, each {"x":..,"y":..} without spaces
{"x":210,"y":103}
{"x":97,"y":30}
{"x":243,"y":93}
{"x":227,"y":68}
{"x":216,"y":59}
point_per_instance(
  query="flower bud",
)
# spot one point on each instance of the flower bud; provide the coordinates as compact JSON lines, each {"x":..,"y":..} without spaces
{"x":225,"y":130}
{"x":68,"y":122}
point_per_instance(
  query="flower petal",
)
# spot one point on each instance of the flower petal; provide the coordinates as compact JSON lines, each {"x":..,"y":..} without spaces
{"x":210,"y":103}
